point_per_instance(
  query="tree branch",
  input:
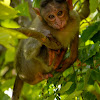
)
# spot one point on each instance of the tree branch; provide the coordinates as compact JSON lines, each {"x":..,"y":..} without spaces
{"x":49,"y":42}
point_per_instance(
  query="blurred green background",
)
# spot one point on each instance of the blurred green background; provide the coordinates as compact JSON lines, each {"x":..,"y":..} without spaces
{"x":80,"y":82}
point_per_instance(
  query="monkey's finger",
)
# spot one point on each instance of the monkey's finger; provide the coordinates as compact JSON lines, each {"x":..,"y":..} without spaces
{"x":61,"y":70}
{"x":51,"y":56}
{"x":46,"y":76}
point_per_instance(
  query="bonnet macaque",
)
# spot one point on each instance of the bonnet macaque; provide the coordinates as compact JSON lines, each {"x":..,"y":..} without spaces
{"x":36,"y":58}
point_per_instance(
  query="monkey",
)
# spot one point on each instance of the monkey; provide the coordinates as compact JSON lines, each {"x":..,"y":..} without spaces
{"x":35,"y":59}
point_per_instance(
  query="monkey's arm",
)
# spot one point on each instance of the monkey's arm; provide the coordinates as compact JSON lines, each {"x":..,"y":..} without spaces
{"x":73,"y":54}
{"x":56,"y":56}
{"x":49,"y":42}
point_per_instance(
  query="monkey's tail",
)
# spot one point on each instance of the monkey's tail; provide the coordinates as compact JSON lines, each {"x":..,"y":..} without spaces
{"x":17,"y":88}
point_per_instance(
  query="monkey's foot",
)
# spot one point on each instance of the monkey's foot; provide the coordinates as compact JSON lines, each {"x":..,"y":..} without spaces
{"x":48,"y":75}
{"x":44,"y":76}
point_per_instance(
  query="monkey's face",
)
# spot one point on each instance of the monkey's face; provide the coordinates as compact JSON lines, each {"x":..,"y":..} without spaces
{"x":55,"y":15}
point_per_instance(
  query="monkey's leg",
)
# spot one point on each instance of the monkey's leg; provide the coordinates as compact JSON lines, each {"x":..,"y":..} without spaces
{"x":40,"y":77}
{"x":73,"y":54}
{"x":44,"y":76}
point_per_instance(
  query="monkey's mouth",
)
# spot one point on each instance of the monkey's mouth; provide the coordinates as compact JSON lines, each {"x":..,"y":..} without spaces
{"x":61,"y":28}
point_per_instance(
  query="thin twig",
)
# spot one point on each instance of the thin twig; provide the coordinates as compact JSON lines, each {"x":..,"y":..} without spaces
{"x":76,"y":3}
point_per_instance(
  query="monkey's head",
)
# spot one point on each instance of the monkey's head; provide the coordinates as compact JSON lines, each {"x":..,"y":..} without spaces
{"x":54,"y":12}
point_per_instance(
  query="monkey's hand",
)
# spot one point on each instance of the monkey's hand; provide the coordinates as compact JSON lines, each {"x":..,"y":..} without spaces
{"x":66,"y":64}
{"x":73,"y":55}
{"x":51,"y":56}
{"x":56,"y":57}
{"x":52,"y":39}
{"x":59,"y":58}
{"x":46,"y":76}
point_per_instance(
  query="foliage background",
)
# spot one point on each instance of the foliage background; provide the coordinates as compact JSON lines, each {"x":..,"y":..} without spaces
{"x":80,"y":82}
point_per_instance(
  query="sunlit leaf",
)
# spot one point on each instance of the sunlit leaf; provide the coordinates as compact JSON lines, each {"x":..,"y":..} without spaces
{"x":88,"y":51}
{"x":90,"y":31}
{"x":10,"y":55}
{"x":36,"y":3}
{"x":71,"y":89}
{"x":86,"y":78}
{"x":7,"y":2}
{"x":9,"y":24}
{"x":97,"y":87}
{"x":7,"y":12}
{"x":11,"y":32}
{"x":88,"y":96}
{"x":4,"y":96}
{"x":66,"y":87}
{"x":80,"y":86}
{"x":67,"y":72}
{"x":93,"y":5}
{"x":23,"y":9}
{"x":73,"y":95}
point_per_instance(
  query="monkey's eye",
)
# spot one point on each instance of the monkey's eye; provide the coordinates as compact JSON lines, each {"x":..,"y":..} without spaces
{"x":60,"y":13}
{"x":51,"y":16}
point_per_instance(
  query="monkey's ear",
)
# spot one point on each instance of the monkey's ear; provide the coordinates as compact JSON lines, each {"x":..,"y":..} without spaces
{"x":37,"y":11}
{"x":70,"y":4}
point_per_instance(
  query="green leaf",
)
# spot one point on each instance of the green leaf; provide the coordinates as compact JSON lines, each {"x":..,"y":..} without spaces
{"x":91,"y":81}
{"x":7,"y":2}
{"x":73,"y":95}
{"x":9,"y":24}
{"x":36,"y":3}
{"x":88,"y":51}
{"x":65,"y":87}
{"x":95,"y":75}
{"x":23,"y":9}
{"x":11,"y":32}
{"x":97,"y":87}
{"x":68,"y":71}
{"x":6,"y":86}
{"x":88,"y":96}
{"x":4,"y":96}
{"x":86,"y":79}
{"x":80,"y":86}
{"x":97,"y":58}
{"x":8,"y":37}
{"x":36,"y":89}
{"x":51,"y":97}
{"x":90,"y":31}
{"x":93,"y":5}
{"x":71,"y":89}
{"x":10,"y":55}
{"x":96,"y":37}
{"x":7,"y":40}
{"x":72,"y":77}
{"x":7,"y":12}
